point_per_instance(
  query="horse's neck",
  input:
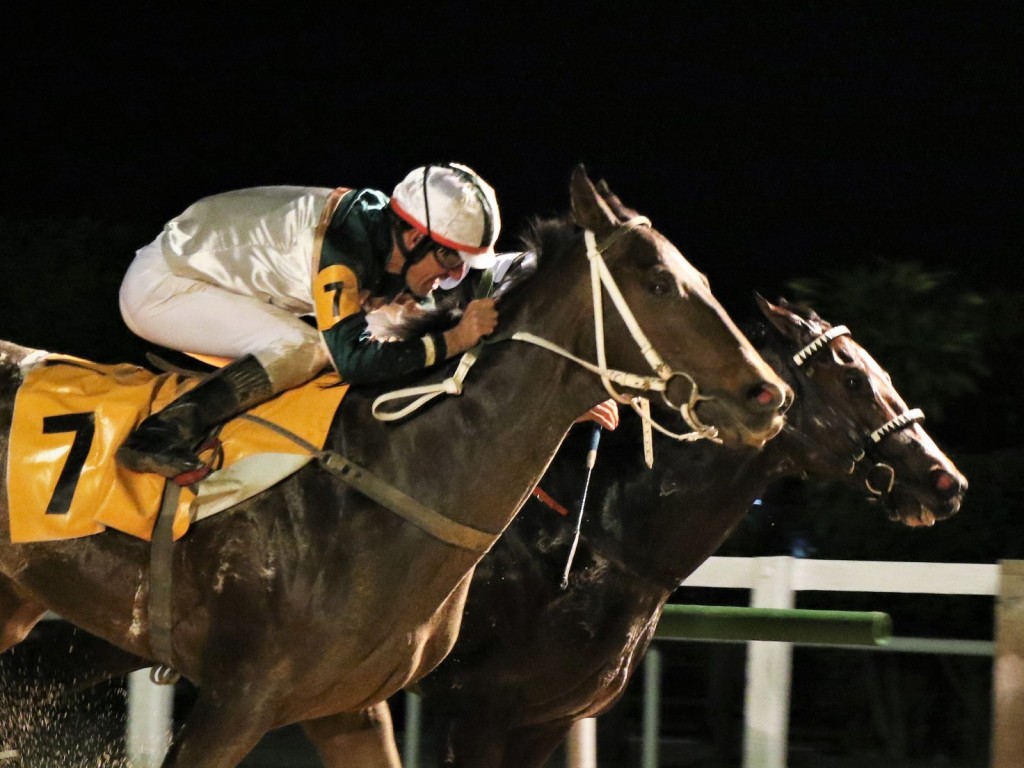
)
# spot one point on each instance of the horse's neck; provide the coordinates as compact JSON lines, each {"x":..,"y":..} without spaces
{"x":663,"y":523}
{"x":475,"y":457}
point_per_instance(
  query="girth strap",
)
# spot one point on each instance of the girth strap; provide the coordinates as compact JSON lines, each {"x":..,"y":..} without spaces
{"x":406,"y":507}
{"x":403,"y":505}
{"x":365,"y":482}
{"x":161,"y":549}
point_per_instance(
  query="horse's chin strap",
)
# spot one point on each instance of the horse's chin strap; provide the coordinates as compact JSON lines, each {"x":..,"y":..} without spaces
{"x":899,"y":422}
{"x":600,"y":277}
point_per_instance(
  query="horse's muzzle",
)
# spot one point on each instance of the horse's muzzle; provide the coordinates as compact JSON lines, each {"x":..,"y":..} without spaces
{"x":939,"y":501}
{"x":752,"y":420}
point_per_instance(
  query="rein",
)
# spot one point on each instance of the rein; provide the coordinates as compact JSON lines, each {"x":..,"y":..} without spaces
{"x":365,"y":482}
{"x":896,"y":424}
{"x":600,"y":276}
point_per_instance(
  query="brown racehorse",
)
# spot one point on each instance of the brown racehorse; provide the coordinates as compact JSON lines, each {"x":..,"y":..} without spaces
{"x":531,"y":658}
{"x":310,"y":599}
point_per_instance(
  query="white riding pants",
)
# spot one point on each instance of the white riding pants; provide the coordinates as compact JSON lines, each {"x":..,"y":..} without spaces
{"x":190,"y":315}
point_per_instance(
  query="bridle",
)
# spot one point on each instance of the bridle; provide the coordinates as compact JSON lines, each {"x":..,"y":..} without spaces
{"x":600,"y":278}
{"x":873,"y":438}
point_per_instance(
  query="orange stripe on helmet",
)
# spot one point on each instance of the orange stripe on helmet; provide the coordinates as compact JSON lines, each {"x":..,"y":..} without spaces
{"x":421,"y":227}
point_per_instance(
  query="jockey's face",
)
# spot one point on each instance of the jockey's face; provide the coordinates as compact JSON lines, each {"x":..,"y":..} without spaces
{"x":438,"y":264}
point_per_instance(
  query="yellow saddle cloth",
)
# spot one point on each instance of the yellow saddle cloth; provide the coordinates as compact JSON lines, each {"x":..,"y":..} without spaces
{"x":71,"y":415}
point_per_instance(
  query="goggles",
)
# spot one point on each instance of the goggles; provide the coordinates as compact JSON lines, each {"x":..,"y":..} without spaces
{"x":448,"y":258}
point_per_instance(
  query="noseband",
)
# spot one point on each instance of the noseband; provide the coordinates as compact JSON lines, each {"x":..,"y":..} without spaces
{"x":896,"y":424}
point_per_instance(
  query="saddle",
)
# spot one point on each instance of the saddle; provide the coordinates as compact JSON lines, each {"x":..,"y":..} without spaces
{"x":71,"y":415}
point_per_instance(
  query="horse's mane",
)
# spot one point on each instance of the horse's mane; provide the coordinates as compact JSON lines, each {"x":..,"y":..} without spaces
{"x":444,"y":314}
{"x":548,"y":236}
{"x":542,"y":240}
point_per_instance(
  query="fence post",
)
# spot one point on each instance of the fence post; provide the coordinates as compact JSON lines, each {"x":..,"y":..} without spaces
{"x":1008,"y":668}
{"x":581,"y":746}
{"x":769,"y":666}
{"x":150,"y":720}
{"x":413,"y":727}
{"x":652,"y":707}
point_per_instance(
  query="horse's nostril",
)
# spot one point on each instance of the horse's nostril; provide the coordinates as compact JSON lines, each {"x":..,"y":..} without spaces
{"x":767,"y":396}
{"x":945,"y":483}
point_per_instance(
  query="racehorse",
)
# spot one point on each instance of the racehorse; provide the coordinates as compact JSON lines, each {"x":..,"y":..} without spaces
{"x":532,"y":658}
{"x":310,"y":599}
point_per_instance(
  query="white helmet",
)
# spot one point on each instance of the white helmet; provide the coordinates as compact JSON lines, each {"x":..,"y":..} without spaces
{"x":454,"y":207}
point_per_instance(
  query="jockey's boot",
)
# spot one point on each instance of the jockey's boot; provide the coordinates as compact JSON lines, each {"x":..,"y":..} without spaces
{"x":166,"y":442}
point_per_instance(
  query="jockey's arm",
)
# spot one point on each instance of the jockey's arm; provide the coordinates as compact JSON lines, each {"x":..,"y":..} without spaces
{"x":357,"y":355}
{"x":361,"y":359}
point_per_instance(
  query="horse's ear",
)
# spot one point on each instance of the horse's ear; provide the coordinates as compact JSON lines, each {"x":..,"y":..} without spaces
{"x":588,"y":209}
{"x":621,"y":210}
{"x":786,"y":322}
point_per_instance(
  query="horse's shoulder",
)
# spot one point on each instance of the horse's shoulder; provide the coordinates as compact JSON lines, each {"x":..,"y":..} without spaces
{"x":14,"y":358}
{"x":12,"y":354}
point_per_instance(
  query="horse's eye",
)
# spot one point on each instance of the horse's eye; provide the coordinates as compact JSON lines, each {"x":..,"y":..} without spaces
{"x":853,"y":379}
{"x":758,"y":334}
{"x":661,"y":284}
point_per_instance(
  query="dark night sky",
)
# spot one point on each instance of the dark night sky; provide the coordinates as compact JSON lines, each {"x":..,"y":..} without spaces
{"x":764,"y":139}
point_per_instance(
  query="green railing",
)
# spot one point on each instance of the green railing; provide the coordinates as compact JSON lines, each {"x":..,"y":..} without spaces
{"x":788,"y":625}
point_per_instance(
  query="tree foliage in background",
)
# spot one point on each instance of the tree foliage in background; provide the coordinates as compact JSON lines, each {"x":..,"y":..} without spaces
{"x":921,"y":326}
{"x":952,"y":351}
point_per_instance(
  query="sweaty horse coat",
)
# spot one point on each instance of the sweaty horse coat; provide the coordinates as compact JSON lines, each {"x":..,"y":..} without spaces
{"x":298,"y":604}
{"x":532,"y":658}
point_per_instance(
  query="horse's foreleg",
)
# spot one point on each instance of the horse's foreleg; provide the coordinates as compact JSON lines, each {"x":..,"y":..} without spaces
{"x":18,"y":614}
{"x":223,"y":727}
{"x":476,"y":741}
{"x":355,"y":739}
{"x":94,"y":661}
{"x":531,"y":746}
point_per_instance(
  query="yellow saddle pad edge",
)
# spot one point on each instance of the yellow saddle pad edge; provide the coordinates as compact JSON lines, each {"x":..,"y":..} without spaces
{"x":305,"y":411}
{"x":71,"y":415}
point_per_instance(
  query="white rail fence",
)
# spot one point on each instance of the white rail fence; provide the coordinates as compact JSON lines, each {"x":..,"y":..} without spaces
{"x":773,"y":582}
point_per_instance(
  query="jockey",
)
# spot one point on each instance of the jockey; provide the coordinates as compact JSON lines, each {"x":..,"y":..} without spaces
{"x":235,"y":274}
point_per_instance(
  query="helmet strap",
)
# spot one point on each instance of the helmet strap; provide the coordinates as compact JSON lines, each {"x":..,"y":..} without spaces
{"x":405,"y":272}
{"x":426,"y":201}
{"x":412,"y":255}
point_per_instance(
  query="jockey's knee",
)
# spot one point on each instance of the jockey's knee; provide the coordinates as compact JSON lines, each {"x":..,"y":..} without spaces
{"x":290,"y":365}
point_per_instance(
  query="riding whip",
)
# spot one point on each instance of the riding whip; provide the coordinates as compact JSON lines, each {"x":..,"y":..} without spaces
{"x":595,"y":439}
